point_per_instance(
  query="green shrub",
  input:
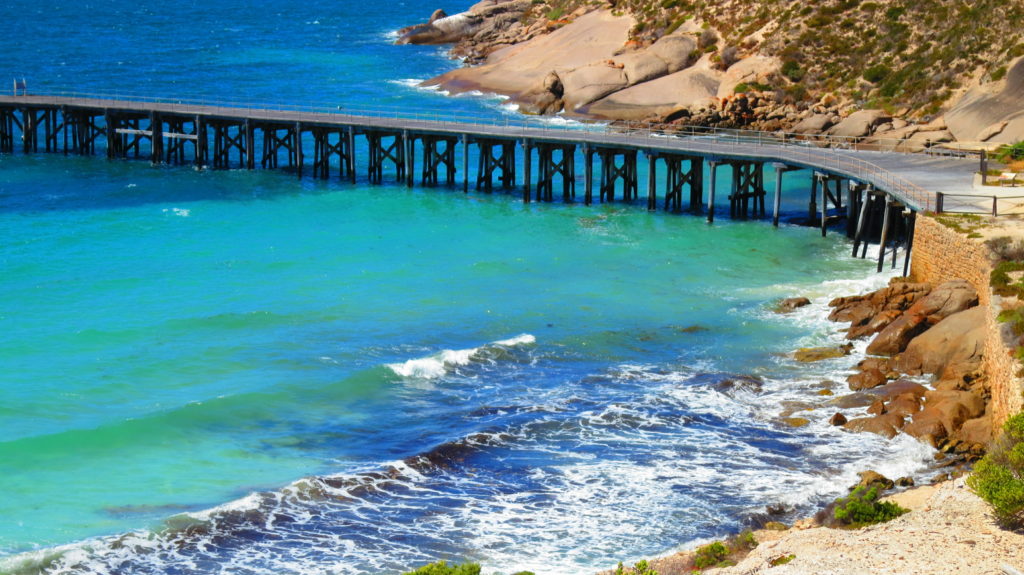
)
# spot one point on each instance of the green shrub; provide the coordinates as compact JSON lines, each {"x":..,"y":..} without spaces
{"x":781,"y":560}
{"x":999,"y":477}
{"x":710,"y":555}
{"x":1010,"y":152}
{"x":877,"y":73}
{"x":791,"y":69}
{"x":1001,"y":282}
{"x":862,"y":508}
{"x":640,"y":568}
{"x":443,"y":568}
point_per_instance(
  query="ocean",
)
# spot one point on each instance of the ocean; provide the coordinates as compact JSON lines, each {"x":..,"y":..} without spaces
{"x":246,"y":372}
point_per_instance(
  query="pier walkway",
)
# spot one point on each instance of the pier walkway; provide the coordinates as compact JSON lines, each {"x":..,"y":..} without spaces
{"x":893,"y":185}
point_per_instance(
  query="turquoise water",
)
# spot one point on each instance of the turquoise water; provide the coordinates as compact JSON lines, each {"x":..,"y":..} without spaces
{"x":244,"y":372}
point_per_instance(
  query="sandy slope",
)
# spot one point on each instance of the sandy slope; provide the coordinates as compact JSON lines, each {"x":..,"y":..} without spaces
{"x":949,"y":531}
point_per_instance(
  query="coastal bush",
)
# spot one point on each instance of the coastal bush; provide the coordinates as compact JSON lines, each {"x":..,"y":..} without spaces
{"x":1001,"y":282}
{"x":999,"y":477}
{"x":640,"y":568}
{"x":443,"y":568}
{"x":791,"y":69}
{"x":781,"y":560}
{"x":1010,"y":152}
{"x":877,"y":73}
{"x":710,"y":555}
{"x":1014,"y":317}
{"x":862,"y":507}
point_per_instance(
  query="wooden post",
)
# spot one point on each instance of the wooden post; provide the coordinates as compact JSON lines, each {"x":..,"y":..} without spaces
{"x":865,"y":206}
{"x":824,"y":206}
{"x":711,"y":190}
{"x":250,"y":145}
{"x":652,"y":191}
{"x":156,"y":139}
{"x":526,"y":170}
{"x":588,"y":175}
{"x":984,"y":168}
{"x":812,"y":208}
{"x":298,"y":149}
{"x":780,"y":169}
{"x":111,"y":129}
{"x":465,"y":163}
{"x":885,"y":232}
{"x":351,"y":135}
{"x":410,"y":155}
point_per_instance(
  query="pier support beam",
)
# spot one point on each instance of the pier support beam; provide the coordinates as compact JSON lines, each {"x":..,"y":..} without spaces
{"x":676,"y":178}
{"x":7,"y":123}
{"x":278,"y":137}
{"x":886,"y":222}
{"x":328,"y":143}
{"x":228,"y":136}
{"x":382,"y":152}
{"x":612,"y":170}
{"x":556,"y":159}
{"x":495,"y":157}
{"x":713,"y":164}
{"x":831,"y":192}
{"x":435,"y":157}
{"x":747,"y":197}
{"x":780,"y":171}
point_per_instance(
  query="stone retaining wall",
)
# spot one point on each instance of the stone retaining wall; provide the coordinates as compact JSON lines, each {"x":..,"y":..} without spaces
{"x":941,"y":254}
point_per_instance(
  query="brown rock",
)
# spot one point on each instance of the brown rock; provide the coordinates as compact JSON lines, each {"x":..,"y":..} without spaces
{"x":905,"y":482}
{"x":877,"y":408}
{"x":895,"y":337}
{"x":796,"y":421}
{"x":887,"y":425}
{"x":906,"y":404}
{"x":974,"y":404}
{"x":869,"y":478}
{"x":838,"y":419}
{"x":926,"y":426}
{"x":852,"y":401}
{"x":880,"y":321}
{"x":867,"y":379}
{"x":945,"y":300}
{"x":977,"y":431}
{"x":897,"y":388}
{"x":791,"y":303}
{"x":809,"y":354}
{"x":955,"y":342}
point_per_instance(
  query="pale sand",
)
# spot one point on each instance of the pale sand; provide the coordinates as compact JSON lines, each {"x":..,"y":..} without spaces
{"x":949,"y":530}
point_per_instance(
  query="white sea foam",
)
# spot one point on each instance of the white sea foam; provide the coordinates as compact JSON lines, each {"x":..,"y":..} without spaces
{"x":437,"y":365}
{"x":180,"y":212}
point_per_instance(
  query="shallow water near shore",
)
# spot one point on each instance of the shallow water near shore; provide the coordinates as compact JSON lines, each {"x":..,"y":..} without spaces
{"x":244,"y":372}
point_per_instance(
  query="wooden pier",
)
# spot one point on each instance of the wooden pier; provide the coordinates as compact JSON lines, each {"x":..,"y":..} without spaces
{"x":879,"y":201}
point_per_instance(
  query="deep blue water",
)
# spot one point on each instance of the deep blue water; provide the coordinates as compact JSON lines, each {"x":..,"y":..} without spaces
{"x":245,"y":372}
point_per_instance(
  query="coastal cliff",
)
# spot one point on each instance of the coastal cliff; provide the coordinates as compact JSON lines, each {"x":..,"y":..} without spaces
{"x":878,"y":70}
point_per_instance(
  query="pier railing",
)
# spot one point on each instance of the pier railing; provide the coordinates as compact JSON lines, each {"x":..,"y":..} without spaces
{"x":850,"y":157}
{"x":979,"y":204}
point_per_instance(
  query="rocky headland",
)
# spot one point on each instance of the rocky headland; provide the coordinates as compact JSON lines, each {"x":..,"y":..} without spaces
{"x":833,"y":68}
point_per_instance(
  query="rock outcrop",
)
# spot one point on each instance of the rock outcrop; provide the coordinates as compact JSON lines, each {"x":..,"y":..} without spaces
{"x":938,"y":331}
{"x":992,"y":112}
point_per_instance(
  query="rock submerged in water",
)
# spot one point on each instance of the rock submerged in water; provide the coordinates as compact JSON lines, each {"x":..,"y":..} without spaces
{"x":791,"y":303}
{"x":809,"y":354}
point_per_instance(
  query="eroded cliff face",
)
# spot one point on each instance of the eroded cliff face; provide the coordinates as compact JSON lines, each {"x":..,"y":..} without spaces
{"x":764,"y":64}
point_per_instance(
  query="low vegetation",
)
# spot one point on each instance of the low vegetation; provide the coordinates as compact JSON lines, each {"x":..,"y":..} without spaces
{"x":895,"y":54}
{"x":967,"y":224}
{"x":862,"y":508}
{"x":724,"y":553}
{"x":443,"y":568}
{"x":998,"y":478}
{"x":640,"y":568}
